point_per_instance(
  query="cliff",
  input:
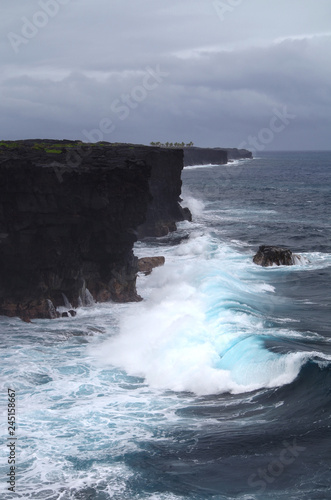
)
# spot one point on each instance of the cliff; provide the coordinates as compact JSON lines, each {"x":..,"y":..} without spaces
{"x":237,"y":154}
{"x":165,"y":187}
{"x":217,"y":156}
{"x":69,"y":214}
{"x":204,"y":156}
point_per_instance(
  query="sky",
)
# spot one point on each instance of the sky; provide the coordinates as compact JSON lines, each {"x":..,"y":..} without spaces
{"x":219,"y":73}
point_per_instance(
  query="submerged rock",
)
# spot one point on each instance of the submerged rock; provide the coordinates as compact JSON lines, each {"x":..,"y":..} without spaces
{"x":69,"y":314}
{"x":270,"y":255}
{"x":147,"y":264}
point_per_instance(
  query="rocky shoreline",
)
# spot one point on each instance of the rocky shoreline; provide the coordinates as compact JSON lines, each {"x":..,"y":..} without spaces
{"x":69,"y":216}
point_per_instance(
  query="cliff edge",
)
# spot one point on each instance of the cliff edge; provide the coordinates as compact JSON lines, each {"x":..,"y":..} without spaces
{"x":216,"y":156}
{"x":69,"y":215}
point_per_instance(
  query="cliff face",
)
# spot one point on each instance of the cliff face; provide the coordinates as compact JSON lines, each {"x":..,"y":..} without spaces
{"x":68,"y":220}
{"x":236,"y":154}
{"x":165,"y":187}
{"x":216,"y":156}
{"x":204,"y":156}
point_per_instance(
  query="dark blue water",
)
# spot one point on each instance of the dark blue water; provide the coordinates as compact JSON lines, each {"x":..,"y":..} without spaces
{"x":217,"y":385}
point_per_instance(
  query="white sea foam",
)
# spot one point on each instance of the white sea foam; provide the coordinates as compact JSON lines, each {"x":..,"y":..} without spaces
{"x":85,"y":423}
{"x":195,"y":205}
{"x":86,"y":411}
{"x":200,"y":330}
{"x":299,"y":260}
{"x":209,"y":165}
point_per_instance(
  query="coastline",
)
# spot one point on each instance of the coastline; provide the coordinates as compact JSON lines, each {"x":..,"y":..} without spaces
{"x":69,"y":216}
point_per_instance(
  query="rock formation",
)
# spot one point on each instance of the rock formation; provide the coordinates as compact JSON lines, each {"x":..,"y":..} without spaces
{"x":217,"y":156}
{"x":269,"y":255}
{"x":165,"y":187}
{"x":238,"y":154}
{"x":204,"y":156}
{"x":147,"y":264}
{"x":69,"y":214}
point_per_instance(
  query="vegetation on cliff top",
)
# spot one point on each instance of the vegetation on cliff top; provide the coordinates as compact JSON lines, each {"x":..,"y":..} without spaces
{"x":47,"y":146}
{"x":172,"y":144}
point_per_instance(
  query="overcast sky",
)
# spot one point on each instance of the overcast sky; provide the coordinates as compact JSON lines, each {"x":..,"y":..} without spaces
{"x":224,"y":73}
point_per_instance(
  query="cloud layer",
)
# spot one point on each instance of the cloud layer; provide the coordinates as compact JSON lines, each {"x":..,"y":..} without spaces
{"x":214,"y":72}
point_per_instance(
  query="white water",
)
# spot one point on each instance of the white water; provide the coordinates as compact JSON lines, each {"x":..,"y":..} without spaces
{"x":87,"y":429}
{"x":200,"y":329}
{"x":207,"y":165}
{"x":231,"y":163}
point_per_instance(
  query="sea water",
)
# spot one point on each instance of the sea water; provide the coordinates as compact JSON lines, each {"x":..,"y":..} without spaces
{"x":217,"y":385}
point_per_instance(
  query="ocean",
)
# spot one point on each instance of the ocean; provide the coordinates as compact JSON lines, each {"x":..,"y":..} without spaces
{"x":216,"y":385}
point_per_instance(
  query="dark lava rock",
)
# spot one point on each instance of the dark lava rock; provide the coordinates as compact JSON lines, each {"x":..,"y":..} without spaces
{"x":147,"y":264}
{"x":69,"y":314}
{"x":217,"y":156}
{"x":165,"y":188}
{"x":238,"y":154}
{"x":204,"y":156}
{"x":269,"y":255}
{"x":69,"y":216}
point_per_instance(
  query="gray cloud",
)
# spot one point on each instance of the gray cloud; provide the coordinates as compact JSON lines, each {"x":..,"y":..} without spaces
{"x":90,"y":67}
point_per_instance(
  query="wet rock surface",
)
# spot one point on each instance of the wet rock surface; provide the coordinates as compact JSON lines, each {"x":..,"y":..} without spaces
{"x":147,"y":264}
{"x":272,"y":255}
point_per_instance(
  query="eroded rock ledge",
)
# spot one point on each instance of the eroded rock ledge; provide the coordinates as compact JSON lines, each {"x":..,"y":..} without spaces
{"x":69,"y":215}
{"x":147,"y":264}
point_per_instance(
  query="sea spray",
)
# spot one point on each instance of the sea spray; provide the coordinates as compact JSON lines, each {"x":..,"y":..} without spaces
{"x":201,"y":329}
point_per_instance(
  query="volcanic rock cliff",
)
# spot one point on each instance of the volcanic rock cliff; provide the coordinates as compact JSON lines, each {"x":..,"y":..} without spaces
{"x":69,"y":215}
{"x":217,"y":156}
{"x":203,"y":156}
